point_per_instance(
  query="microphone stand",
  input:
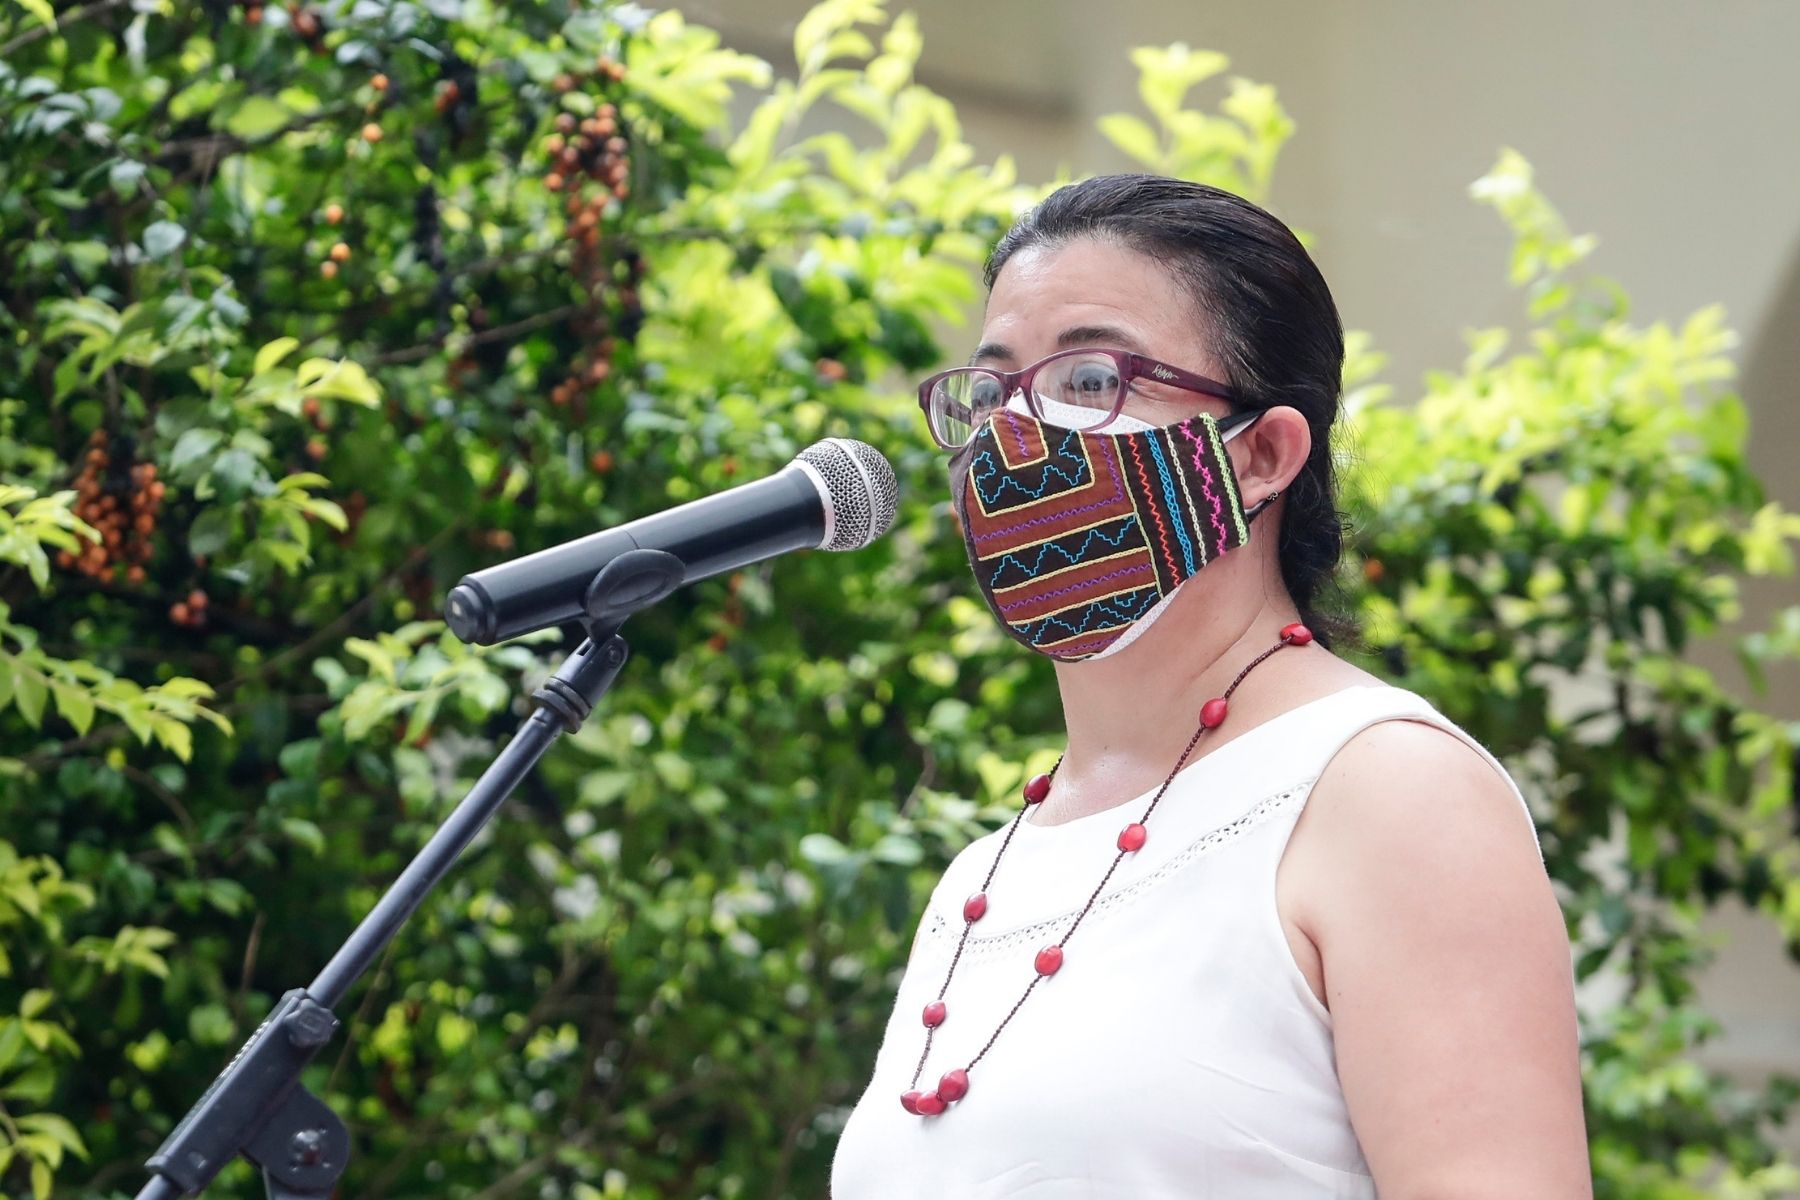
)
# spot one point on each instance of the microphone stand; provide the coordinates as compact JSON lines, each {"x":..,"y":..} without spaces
{"x":257,"y":1106}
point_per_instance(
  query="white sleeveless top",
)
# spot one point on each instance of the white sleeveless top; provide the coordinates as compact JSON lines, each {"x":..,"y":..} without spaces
{"x":1179,"y":1051}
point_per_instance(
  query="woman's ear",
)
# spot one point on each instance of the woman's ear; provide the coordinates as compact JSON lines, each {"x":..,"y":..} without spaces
{"x":1270,"y":453}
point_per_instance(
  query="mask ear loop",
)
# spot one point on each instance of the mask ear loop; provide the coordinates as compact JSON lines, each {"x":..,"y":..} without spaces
{"x":1245,"y":421}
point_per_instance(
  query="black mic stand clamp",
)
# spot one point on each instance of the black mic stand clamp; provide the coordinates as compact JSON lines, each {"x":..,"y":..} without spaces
{"x":257,"y":1106}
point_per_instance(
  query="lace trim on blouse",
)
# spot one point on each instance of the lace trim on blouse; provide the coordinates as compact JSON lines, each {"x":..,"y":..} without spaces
{"x":938,"y":930}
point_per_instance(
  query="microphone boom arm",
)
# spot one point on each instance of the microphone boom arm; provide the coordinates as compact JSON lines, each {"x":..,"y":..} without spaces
{"x":257,"y":1106}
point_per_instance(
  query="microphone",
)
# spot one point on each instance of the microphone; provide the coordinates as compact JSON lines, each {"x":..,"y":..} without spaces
{"x":838,"y":494}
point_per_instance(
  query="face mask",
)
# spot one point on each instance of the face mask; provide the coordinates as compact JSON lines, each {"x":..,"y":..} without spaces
{"x":1079,"y":539}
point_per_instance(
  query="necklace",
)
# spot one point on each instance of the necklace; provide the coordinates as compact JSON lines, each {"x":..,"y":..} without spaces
{"x":954,"y":1085}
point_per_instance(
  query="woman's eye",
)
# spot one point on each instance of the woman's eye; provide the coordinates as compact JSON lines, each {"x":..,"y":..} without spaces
{"x":1089,"y":380}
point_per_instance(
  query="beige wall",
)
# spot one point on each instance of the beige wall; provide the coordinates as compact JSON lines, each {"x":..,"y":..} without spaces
{"x":1671,"y":128}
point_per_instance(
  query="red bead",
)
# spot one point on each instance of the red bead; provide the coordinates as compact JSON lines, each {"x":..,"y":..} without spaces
{"x":1212,"y":713}
{"x":1296,"y":634}
{"x":930,"y":1104}
{"x":1132,"y":837}
{"x":935,"y":1012}
{"x":1049,"y":960}
{"x":1036,"y":788}
{"x":910,"y":1102}
{"x":953,"y":1086}
{"x":975,"y":907}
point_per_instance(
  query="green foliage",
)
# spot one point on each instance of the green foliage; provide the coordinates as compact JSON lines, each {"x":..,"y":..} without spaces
{"x":314,"y":310}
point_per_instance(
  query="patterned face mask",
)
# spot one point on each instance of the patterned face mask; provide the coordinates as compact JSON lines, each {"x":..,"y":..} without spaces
{"x":1078,"y":539}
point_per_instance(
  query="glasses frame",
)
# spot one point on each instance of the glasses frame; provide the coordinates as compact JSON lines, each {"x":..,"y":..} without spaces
{"x":1131,"y":367}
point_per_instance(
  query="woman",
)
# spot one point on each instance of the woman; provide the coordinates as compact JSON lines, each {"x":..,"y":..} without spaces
{"x":1271,"y":928}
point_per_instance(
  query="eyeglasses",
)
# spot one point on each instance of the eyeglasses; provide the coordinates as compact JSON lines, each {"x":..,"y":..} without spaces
{"x":957,"y":401}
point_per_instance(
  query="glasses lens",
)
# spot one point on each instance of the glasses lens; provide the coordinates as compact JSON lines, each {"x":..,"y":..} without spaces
{"x":960,"y":402}
{"x":1087,"y":384}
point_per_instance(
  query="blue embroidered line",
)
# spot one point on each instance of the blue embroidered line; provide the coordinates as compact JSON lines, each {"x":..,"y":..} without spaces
{"x":987,"y":457}
{"x":1175,"y":506}
{"x":1072,"y":557}
{"x":1115,"y":609}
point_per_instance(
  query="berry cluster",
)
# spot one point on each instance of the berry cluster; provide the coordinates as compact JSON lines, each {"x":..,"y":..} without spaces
{"x":190,"y":612}
{"x":589,"y":163}
{"x":314,"y":412}
{"x":307,"y":27}
{"x":122,"y":506}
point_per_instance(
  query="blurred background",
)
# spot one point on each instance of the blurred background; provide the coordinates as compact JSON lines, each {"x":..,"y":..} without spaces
{"x":309,"y":307}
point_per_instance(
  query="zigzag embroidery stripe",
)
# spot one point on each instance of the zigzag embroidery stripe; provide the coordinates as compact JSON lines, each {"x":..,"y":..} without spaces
{"x":1070,"y":558}
{"x":1117,"y":472}
{"x":1206,"y":484}
{"x":986,"y":457}
{"x":1120,"y":611}
{"x":1162,"y":529}
{"x":1173,"y":501}
{"x":1008,"y":609}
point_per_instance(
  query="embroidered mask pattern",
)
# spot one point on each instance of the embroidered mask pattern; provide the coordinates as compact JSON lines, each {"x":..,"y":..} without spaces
{"x":1074,"y":536}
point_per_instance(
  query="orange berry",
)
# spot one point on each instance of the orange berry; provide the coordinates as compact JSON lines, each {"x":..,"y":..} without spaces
{"x":553,"y":145}
{"x":1373,"y":570}
{"x":554,"y":181}
{"x":156,"y":490}
{"x":379,"y":83}
{"x":371,"y":132}
{"x":178,"y":613}
{"x":196,"y":599}
{"x":65,"y":559}
{"x":565,"y":122}
{"x":564,"y":82}
{"x":334,"y":213}
{"x":253,"y":16}
{"x":309,"y":407}
{"x":328,"y":269}
{"x":340,"y":252}
{"x":602,"y":461}
{"x":134,"y":576}
{"x":144,"y":524}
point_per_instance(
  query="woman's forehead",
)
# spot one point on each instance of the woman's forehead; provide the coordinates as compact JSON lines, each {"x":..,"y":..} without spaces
{"x":1086,"y":286}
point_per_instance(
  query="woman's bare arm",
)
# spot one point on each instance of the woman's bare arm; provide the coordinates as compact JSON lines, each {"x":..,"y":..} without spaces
{"x":1446,"y":967}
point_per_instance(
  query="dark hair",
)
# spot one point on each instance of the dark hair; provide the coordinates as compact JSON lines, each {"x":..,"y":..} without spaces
{"x":1268,"y":319}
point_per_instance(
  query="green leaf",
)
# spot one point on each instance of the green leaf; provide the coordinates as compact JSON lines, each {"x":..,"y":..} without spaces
{"x":163,"y":238}
{"x":1133,"y":136}
{"x":213,"y":530}
{"x":192,"y":446}
{"x":40,"y":9}
{"x":256,"y":117}
{"x":272,"y":354}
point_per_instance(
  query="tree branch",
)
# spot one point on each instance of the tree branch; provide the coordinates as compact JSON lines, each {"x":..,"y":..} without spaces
{"x":73,"y":17}
{"x":498,"y":333}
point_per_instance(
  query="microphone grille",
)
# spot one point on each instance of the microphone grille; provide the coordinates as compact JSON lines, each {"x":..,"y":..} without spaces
{"x":861,"y":497}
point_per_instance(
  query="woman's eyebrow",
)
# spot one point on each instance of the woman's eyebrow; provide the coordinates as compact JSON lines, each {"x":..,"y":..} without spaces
{"x":1109,"y":336}
{"x":1075,"y":335}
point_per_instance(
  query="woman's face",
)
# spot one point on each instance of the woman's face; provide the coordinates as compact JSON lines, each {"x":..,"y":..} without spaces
{"x":1099,"y":294}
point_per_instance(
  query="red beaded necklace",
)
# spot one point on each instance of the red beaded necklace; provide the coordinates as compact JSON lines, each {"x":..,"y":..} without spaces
{"x":955,"y":1084}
